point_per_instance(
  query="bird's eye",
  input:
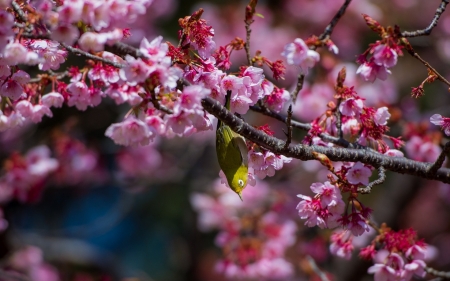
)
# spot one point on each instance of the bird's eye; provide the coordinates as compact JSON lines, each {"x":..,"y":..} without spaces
{"x":241,"y":183}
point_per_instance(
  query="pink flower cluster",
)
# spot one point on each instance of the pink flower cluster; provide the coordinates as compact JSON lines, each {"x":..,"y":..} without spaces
{"x":25,"y":176}
{"x":400,"y":256}
{"x":29,"y":261}
{"x":254,"y":239}
{"x":265,"y":163}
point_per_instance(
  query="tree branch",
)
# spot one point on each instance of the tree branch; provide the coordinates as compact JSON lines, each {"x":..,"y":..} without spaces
{"x":429,"y":28}
{"x":334,"y":21}
{"x":396,"y":164}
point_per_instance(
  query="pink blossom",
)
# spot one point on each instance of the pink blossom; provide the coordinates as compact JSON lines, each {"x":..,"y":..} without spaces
{"x":299,"y":54}
{"x":438,"y":120}
{"x":39,"y":162}
{"x":65,"y":33}
{"x":90,"y":41}
{"x":49,"y":51}
{"x":358,"y":174}
{"x":381,"y":116}
{"x":276,"y":100}
{"x":369,"y":71}
{"x":277,"y":269}
{"x":15,"y":53}
{"x":53,"y":99}
{"x":351,"y":107}
{"x":130,"y":132}
{"x":394,"y":153}
{"x":384,"y":56}
{"x":422,"y":150}
{"x":135,"y":71}
{"x":329,"y":194}
{"x":357,"y":224}
{"x":341,"y":244}
{"x":71,"y":11}
{"x":415,"y":267}
{"x":383,"y":272}
{"x":11,"y":89}
{"x":155,"y":50}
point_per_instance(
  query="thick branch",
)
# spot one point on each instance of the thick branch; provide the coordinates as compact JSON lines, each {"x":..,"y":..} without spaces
{"x":396,"y":164}
{"x":429,"y":28}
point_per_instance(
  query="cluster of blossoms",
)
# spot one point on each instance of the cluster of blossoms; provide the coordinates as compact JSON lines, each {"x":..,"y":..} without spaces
{"x":400,"y":255}
{"x":326,"y":208}
{"x":254,"y":237}
{"x":29,"y":261}
{"x":365,"y":124}
{"x":383,"y":53}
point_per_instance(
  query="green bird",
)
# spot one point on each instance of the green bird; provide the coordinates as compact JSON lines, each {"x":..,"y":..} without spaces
{"x":232,"y":154}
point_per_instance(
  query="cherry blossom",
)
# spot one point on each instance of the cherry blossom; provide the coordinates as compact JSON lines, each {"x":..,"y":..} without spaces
{"x":299,"y":54}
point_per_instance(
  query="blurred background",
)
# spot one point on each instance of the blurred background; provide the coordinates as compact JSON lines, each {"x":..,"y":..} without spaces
{"x":119,"y":213}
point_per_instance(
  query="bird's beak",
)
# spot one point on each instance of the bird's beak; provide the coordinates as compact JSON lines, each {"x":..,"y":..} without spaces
{"x":240,"y":196}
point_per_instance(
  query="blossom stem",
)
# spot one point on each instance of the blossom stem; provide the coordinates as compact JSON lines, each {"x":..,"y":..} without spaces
{"x":442,"y":274}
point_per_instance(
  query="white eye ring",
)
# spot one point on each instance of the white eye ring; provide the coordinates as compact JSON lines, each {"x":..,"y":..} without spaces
{"x":241,"y":183}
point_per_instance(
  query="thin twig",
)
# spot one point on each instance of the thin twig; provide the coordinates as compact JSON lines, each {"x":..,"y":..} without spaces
{"x":429,"y":28}
{"x":380,"y":180}
{"x":91,"y":56}
{"x":339,"y":119}
{"x":440,"y":160}
{"x":442,"y":274}
{"x":156,"y":103}
{"x":306,"y":127}
{"x":316,"y":269}
{"x":334,"y":21}
{"x":416,"y":55}
{"x":298,"y":87}
{"x":248,"y":31}
{"x":23,"y":17}
{"x":289,"y":127}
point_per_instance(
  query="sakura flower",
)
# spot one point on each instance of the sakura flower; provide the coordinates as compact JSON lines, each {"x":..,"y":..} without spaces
{"x":131,"y":131}
{"x":381,"y":116}
{"x":438,"y":120}
{"x":90,"y":41}
{"x":53,"y":99}
{"x":394,"y":153}
{"x":65,"y":33}
{"x":370,"y":71}
{"x":155,"y":50}
{"x":384,"y":56}
{"x":14,"y":53}
{"x":329,"y":194}
{"x":299,"y":54}
{"x":21,"y":77}
{"x":276,"y":100}
{"x":351,"y":107}
{"x":358,"y":174}
{"x":341,"y":244}
{"x":135,"y":71}
{"x":11,"y":89}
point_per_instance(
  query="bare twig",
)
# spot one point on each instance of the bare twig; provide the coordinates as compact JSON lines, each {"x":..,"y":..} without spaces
{"x":429,"y":28}
{"x":289,"y":127}
{"x":339,"y":119}
{"x":91,"y":56}
{"x":334,"y":21}
{"x":248,"y":31}
{"x":316,"y":269}
{"x":298,"y":87}
{"x":156,"y":103}
{"x":440,"y":160}
{"x":380,"y":180}
{"x":23,"y":17}
{"x":306,"y":127}
{"x":416,"y":55}
{"x":442,"y":274}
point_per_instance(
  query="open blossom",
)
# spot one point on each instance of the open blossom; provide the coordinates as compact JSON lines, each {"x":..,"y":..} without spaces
{"x":384,"y":55}
{"x":298,"y":53}
{"x":381,"y":116}
{"x":438,"y":120}
{"x":266,"y":163}
{"x":370,"y":71}
{"x":131,"y":131}
{"x":341,"y":244}
{"x":351,"y":107}
{"x":358,"y":174}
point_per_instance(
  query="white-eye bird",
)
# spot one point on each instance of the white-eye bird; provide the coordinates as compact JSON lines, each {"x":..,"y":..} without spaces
{"x":232,"y":154}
